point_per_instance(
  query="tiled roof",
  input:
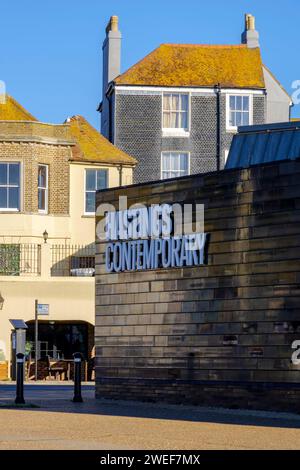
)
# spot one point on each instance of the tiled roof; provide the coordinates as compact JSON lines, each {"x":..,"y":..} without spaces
{"x":11,"y":110}
{"x":197,"y":66}
{"x":92,"y":146}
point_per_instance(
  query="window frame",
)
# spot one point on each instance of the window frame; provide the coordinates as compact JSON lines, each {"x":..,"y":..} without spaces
{"x":236,"y":94}
{"x":46,"y":189}
{"x":178,"y":152}
{"x":12,"y":209}
{"x":176,"y":131}
{"x":85,"y":212}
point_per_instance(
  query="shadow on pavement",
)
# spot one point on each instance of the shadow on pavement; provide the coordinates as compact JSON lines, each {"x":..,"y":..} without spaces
{"x":58,"y":398}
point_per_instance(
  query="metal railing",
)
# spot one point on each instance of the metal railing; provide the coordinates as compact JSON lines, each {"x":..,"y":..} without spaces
{"x":73,"y":260}
{"x":18,"y":259}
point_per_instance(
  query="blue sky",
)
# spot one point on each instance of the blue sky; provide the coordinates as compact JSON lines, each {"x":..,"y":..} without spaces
{"x":50,"y":52}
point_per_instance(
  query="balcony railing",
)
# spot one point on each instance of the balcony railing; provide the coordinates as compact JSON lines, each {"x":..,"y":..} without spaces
{"x":20,"y":259}
{"x":73,"y":260}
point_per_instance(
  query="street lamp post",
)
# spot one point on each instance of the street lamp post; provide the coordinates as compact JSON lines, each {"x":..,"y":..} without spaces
{"x":45,"y":236}
{"x":36,"y":339}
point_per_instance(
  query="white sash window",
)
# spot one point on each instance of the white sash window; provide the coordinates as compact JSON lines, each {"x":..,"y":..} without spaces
{"x":175,"y":112}
{"x":239,"y":111}
{"x":174,"y":164}
{"x":10,"y":186}
{"x":94,"y":180}
{"x":43,"y":188}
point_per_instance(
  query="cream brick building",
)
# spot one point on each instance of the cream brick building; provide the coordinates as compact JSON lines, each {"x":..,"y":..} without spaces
{"x":48,"y":178}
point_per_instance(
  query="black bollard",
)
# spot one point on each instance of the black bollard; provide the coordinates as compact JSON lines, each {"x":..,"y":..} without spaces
{"x":77,"y":378}
{"x":20,"y":380}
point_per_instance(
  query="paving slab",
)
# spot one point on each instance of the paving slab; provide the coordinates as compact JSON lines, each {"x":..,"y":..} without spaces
{"x":58,"y":423}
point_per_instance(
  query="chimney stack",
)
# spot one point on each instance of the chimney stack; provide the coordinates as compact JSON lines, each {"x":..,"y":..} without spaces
{"x":111,"y":69}
{"x":250,"y":36}
{"x":111,"y":52}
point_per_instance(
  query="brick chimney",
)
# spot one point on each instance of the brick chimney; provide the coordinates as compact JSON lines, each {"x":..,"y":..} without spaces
{"x":111,"y":52}
{"x":250,"y":36}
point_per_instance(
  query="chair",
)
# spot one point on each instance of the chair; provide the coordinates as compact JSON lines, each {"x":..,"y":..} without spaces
{"x":57,"y":370}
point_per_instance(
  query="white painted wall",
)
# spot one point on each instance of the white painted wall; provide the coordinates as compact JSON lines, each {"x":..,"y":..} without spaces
{"x":278,"y":101}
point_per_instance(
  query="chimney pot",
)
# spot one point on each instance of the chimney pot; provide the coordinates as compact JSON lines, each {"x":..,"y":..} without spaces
{"x":113,"y":24}
{"x":250,"y":36}
{"x":250,"y":22}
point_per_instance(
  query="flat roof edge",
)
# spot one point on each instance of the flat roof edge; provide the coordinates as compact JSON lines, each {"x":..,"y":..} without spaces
{"x":277,"y":126}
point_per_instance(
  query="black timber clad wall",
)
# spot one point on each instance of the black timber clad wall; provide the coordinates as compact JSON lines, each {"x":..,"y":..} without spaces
{"x":138,"y":123}
{"x":219,"y":334}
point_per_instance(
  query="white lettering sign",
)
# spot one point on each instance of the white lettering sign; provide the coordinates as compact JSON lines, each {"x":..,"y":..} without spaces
{"x":145,"y":238}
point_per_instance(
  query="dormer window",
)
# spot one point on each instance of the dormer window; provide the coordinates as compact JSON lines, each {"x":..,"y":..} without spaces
{"x":175,"y":113}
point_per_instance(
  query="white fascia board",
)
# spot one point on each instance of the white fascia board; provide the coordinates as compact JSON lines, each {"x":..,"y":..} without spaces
{"x":242,"y":91}
{"x":159,"y":90}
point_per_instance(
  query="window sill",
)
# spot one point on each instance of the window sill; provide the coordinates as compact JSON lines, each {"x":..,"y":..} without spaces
{"x":232,"y":130}
{"x":175,"y":133}
{"x":10,"y":211}
{"x":89,"y":215}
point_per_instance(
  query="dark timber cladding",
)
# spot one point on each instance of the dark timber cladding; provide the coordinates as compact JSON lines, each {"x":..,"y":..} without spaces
{"x":218,"y":334}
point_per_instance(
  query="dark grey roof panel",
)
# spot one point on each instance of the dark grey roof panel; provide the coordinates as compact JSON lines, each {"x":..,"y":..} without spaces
{"x":263,"y":144}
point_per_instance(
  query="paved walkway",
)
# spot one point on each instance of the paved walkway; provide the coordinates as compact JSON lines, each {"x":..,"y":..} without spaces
{"x":41,"y":391}
{"x":57,"y":423}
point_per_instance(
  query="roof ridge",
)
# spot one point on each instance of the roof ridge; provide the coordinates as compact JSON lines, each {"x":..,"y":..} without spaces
{"x":221,"y":46}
